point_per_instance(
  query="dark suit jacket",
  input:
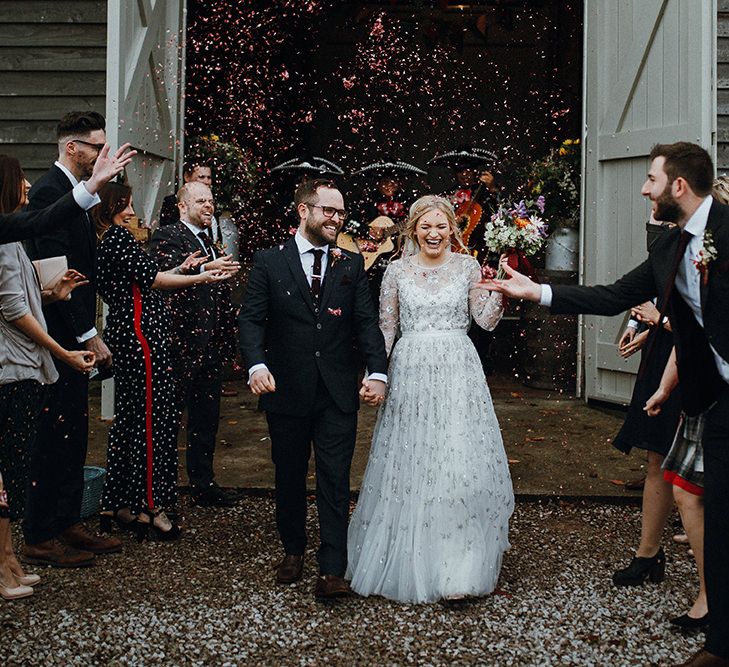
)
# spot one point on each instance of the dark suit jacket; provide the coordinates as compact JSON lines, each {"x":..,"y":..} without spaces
{"x":280,"y":326}
{"x":698,"y":375}
{"x":24,"y":225}
{"x":201,"y":315}
{"x":76,"y":240}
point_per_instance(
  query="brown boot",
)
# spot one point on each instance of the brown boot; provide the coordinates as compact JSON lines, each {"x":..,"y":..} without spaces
{"x":290,"y":569}
{"x":331,"y":586}
{"x":57,"y":554}
{"x":80,"y":537}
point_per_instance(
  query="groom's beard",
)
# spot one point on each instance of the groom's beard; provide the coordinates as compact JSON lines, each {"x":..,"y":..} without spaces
{"x":667,"y":208}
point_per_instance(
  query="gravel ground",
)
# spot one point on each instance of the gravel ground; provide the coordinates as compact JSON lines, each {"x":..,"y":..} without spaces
{"x":211,"y":600}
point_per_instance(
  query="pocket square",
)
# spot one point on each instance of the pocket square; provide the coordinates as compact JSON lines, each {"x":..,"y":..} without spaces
{"x":335,"y":312}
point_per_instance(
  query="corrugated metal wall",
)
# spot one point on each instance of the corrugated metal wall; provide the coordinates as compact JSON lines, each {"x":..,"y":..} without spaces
{"x":52,"y":60}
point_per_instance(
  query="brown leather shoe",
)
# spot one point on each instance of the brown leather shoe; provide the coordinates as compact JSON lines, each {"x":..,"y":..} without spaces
{"x":330,"y":586}
{"x":80,"y":537}
{"x":290,"y":569}
{"x":705,"y":659}
{"x":57,"y":554}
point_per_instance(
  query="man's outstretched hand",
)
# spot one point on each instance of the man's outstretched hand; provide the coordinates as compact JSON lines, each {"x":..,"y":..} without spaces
{"x":108,"y":166}
{"x":516,"y":286}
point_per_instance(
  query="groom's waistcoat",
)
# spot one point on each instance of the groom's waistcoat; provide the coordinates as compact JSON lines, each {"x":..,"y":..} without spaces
{"x":303,"y":340}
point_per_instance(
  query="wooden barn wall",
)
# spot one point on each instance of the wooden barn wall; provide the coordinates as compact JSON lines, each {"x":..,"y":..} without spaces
{"x":52,"y":60}
{"x":722,"y":91}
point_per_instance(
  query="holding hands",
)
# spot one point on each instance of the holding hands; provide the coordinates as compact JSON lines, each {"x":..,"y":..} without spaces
{"x":373,"y":392}
{"x":262,"y":382}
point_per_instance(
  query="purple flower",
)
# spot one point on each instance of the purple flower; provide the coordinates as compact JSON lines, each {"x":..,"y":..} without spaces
{"x":540,"y":203}
{"x":521,"y":210}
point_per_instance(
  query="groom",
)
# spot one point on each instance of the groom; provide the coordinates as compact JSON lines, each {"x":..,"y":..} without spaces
{"x":689,"y":266}
{"x":306,"y":305}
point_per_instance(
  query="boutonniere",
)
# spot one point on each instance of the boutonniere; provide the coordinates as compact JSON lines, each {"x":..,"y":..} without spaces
{"x":336,"y":255}
{"x":335,"y":312}
{"x":707,"y":254}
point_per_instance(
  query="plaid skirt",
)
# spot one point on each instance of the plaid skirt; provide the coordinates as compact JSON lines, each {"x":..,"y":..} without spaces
{"x":684,"y":463}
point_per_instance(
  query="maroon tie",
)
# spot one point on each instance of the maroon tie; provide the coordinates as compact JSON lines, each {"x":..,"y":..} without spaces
{"x":316,"y":273}
{"x":683,"y":242}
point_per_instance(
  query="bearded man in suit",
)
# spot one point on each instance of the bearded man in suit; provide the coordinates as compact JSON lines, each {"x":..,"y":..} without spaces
{"x":306,"y":304}
{"x":203,"y":338}
{"x":689,"y":266}
{"x":57,"y":460}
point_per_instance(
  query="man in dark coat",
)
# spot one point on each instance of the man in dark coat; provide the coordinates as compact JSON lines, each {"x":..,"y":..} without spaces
{"x":306,"y":304}
{"x":689,"y":267}
{"x":203,"y":336}
{"x":57,"y":461}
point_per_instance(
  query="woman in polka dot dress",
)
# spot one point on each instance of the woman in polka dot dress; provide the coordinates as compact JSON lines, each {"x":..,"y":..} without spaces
{"x":142,"y":453}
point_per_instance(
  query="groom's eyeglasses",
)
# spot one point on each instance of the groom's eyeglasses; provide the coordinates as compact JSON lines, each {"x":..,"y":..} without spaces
{"x":330,"y":211}
{"x":96,"y":147}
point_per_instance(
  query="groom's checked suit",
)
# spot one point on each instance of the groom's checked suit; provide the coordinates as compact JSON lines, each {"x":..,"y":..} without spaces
{"x":703,"y":371}
{"x":307,"y":342}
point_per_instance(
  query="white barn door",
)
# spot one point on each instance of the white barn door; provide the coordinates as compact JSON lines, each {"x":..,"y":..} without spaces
{"x":144,"y":92}
{"x":145,"y":67}
{"x":648,"y":79}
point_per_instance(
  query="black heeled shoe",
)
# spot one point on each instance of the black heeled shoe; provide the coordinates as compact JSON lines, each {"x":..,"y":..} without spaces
{"x":642,"y":569}
{"x":158,"y":533}
{"x":686,"y":622}
{"x":106,"y":521}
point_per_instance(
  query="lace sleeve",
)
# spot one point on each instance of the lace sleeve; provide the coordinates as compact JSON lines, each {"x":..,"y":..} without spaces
{"x":486,"y":307}
{"x":389,"y":307}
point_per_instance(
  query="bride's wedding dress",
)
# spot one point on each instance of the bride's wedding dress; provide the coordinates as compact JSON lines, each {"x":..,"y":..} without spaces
{"x":434,"y":506}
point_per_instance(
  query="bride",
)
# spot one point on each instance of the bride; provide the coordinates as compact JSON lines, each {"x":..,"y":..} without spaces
{"x":433,"y":511}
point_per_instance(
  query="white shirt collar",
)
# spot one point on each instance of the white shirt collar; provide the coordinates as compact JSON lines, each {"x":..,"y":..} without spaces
{"x":65,"y":170}
{"x":192,"y":228}
{"x":697,"y":222}
{"x":304,"y":245}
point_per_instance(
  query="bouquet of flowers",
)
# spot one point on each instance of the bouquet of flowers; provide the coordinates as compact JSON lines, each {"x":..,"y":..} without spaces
{"x":517,"y":231}
{"x":557,"y":177}
{"x":234,"y":172}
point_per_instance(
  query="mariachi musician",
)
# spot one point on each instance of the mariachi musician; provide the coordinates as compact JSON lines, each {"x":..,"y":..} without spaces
{"x":381,"y":216}
{"x":475,"y":196}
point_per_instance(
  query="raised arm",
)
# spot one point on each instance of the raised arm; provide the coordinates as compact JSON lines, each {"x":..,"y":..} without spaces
{"x":486,"y":307}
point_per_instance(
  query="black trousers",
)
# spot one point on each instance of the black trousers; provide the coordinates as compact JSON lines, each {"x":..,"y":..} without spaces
{"x":199,"y":380}
{"x":57,"y":459}
{"x":716,"y":524}
{"x":333,"y":433}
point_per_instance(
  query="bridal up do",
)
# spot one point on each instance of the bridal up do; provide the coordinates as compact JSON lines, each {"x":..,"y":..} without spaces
{"x":428,"y":203}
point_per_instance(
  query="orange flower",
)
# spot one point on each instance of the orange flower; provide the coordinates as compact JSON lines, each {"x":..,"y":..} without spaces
{"x":521,"y":222}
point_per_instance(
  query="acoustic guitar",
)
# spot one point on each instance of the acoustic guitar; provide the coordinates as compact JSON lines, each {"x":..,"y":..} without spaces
{"x":372,"y":249}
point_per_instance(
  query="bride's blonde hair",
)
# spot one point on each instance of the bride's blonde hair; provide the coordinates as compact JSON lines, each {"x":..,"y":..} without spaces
{"x":429,"y":203}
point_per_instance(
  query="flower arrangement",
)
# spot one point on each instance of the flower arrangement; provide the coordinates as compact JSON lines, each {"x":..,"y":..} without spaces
{"x":557,"y":178}
{"x":517,"y":231}
{"x":234,"y":172}
{"x":517,"y":228}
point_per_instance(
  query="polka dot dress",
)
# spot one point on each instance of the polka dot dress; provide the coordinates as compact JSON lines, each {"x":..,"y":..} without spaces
{"x":142,"y":454}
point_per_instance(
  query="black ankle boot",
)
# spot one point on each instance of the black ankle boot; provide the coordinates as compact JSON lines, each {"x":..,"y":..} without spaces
{"x":641,"y":569}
